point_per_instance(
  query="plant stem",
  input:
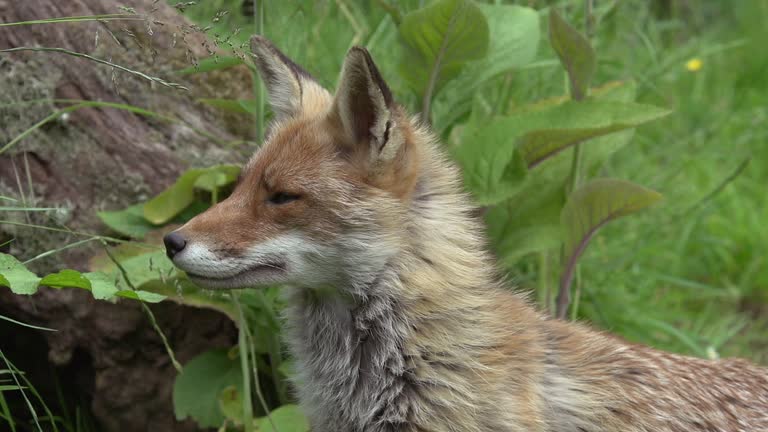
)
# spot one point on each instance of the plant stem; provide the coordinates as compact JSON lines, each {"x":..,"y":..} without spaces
{"x":426,"y":104}
{"x":258,"y":89}
{"x":543,"y":291}
{"x":145,"y":308}
{"x":107,"y":17}
{"x":275,"y":356}
{"x":98,"y":60}
{"x":392,"y":10}
{"x":563,"y":297}
{"x":576,"y":295}
{"x":57,"y":250}
{"x":257,"y":386}
{"x":589,"y":18}
{"x":242,"y":342}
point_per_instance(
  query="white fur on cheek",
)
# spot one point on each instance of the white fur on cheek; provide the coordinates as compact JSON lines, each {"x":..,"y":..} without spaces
{"x":294,"y":257}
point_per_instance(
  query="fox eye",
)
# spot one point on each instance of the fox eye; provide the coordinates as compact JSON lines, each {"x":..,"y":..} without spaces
{"x":278,"y":198}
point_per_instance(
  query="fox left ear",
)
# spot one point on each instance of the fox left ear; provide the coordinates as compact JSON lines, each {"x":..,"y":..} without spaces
{"x":292,"y":90}
{"x":365,"y":107}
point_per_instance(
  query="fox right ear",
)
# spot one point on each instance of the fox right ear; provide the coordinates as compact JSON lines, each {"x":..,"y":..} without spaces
{"x":292,"y":90}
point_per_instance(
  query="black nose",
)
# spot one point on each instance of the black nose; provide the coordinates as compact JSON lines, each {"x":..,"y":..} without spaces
{"x":174,"y":243}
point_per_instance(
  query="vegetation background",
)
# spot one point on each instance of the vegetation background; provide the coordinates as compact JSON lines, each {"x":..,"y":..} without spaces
{"x":688,"y":275}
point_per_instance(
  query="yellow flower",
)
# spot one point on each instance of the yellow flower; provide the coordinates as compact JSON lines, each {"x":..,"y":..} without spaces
{"x":693,"y":64}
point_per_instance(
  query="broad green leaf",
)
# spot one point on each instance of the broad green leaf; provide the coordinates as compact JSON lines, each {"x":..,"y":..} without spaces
{"x":497,"y":172}
{"x":540,"y":200}
{"x":173,"y":200}
{"x":211,"y":64}
{"x":528,"y":240}
{"x":575,"y":53}
{"x":218,"y":177}
{"x":493,"y":152}
{"x":16,"y":277}
{"x":440,"y":38}
{"x":144,"y":268}
{"x":231,"y":105}
{"x":142,"y":295}
{"x":231,"y":404}
{"x":129,"y":222}
{"x":555,"y":129}
{"x":593,"y":205}
{"x":102,"y":285}
{"x":103,"y":262}
{"x":66,"y":279}
{"x":141,"y":266}
{"x":514,"y":41}
{"x":183,"y":291}
{"x":196,"y":390}
{"x":287,"y":418}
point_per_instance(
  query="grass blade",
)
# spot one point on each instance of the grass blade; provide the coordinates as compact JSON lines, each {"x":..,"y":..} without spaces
{"x":101,"y":61}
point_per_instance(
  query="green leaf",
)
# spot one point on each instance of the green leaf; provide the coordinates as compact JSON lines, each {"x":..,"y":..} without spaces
{"x":196,"y":390}
{"x":16,"y":277}
{"x":129,"y":222}
{"x":66,"y":279}
{"x":577,"y":122}
{"x":540,"y":200}
{"x":287,"y":418}
{"x":232,"y":105}
{"x":183,"y":291}
{"x":497,"y":171}
{"x":144,"y":296}
{"x":231,"y":404}
{"x":172,"y":201}
{"x":593,"y":205}
{"x":493,"y":151}
{"x":575,"y":53}
{"x":102,"y":285}
{"x":211,"y":64}
{"x":440,"y":39}
{"x":217,"y":177}
{"x":488,"y":147}
{"x":528,"y":240}
{"x":514,"y":41}
{"x":145,"y":268}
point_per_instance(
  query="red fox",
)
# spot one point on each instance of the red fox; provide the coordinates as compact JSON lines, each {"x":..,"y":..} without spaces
{"x":398,"y":318}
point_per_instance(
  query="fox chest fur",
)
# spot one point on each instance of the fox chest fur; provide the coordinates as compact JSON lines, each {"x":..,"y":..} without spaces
{"x":361,"y":370}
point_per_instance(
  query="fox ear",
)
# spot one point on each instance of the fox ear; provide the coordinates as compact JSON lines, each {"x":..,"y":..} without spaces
{"x":289,"y":86}
{"x":364,"y":106}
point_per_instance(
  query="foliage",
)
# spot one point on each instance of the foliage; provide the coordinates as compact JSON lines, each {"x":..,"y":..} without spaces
{"x":103,"y":286}
{"x":539,"y":148}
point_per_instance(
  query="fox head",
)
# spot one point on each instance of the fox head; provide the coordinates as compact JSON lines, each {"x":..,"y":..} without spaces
{"x":325,"y":199}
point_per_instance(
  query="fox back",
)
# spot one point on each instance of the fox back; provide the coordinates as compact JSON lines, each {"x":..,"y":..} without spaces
{"x":398,"y":319}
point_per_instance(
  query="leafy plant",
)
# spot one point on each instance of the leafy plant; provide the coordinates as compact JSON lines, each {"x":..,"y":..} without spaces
{"x":536,"y":165}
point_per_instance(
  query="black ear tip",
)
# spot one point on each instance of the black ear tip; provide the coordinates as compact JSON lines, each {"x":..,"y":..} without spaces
{"x":362,"y":58}
{"x":259,"y":42}
{"x":360,"y":49}
{"x":360,"y":52}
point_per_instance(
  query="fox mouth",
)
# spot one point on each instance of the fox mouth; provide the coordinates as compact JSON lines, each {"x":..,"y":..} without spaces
{"x":269,"y":272}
